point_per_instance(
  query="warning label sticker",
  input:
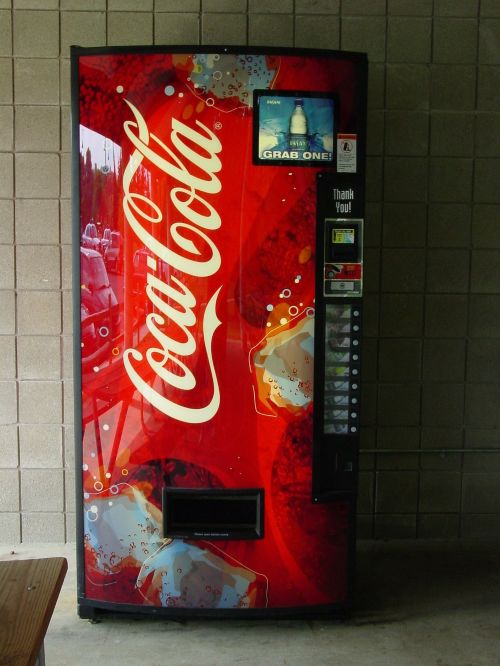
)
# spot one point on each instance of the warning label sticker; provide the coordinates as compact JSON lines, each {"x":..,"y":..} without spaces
{"x":346,"y":153}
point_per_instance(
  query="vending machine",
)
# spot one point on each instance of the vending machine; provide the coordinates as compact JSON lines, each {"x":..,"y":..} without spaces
{"x":218,"y":270}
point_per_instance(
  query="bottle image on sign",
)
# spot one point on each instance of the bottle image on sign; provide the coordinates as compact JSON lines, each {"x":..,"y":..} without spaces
{"x":298,"y":127}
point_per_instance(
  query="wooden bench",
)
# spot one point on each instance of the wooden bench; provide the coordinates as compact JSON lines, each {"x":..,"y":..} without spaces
{"x":28,"y":593}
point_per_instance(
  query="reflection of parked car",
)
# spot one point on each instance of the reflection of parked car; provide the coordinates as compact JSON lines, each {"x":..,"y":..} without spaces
{"x":113,"y":255}
{"x":90,"y":237}
{"x":97,"y":296}
{"x":105,"y":240}
{"x":140,"y":263}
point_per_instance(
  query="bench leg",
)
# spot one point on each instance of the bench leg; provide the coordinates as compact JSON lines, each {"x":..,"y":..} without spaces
{"x":40,"y":660}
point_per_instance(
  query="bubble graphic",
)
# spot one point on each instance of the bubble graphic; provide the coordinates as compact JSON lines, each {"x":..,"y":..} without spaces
{"x":110,"y":503}
{"x":218,"y":125}
{"x":105,"y":427}
{"x":96,"y":368}
{"x":310,"y":312}
{"x":270,"y":307}
{"x":104,"y":331}
{"x":98,"y":486}
{"x":92,"y":517}
{"x":216,"y":56}
{"x":92,"y":455}
{"x":268,"y":324}
{"x":283,"y":321}
{"x":283,"y":200}
{"x":124,"y":472}
{"x":217,"y":75}
{"x":85,"y":467}
{"x":210,"y":101}
{"x":293,"y":310}
{"x":181,"y":94}
{"x":93,"y":509}
{"x":114,"y":490}
{"x":108,"y":475}
{"x":286,"y":293}
{"x":119,"y":89}
{"x":86,"y":495}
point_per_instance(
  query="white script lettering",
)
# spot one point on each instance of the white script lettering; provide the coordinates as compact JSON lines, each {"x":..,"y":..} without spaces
{"x":200,"y":150}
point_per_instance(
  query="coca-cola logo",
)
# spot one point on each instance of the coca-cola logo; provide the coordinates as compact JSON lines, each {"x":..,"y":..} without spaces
{"x":194,"y":149}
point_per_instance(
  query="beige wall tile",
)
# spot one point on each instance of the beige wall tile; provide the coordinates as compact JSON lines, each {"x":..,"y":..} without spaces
{"x":37,"y":221}
{"x":270,"y":6}
{"x":69,"y":403}
{"x":9,"y":490}
{"x":67,"y":302}
{"x":7,"y":278}
{"x":188,"y":6}
{"x":318,"y":6}
{"x":37,"y":175}
{"x":39,"y":313}
{"x":6,"y":175}
{"x":320,"y":32}
{"x":6,"y":128}
{"x":69,"y":446}
{"x":275,"y":29}
{"x":223,"y":28}
{"x":37,"y":128}
{"x":36,"y":81}
{"x":9,"y":448}
{"x":7,"y":359}
{"x":66,"y":175}
{"x":10,"y":528}
{"x":38,"y":357}
{"x":130,"y":5}
{"x":5,"y":33}
{"x":367,"y":35}
{"x":40,"y":402}
{"x":66,"y":221}
{"x":38,"y":267}
{"x":69,"y":490}
{"x":42,"y":490}
{"x":93,"y":5}
{"x":40,"y":446}
{"x":36,"y":4}
{"x":177,"y":29}
{"x":36,"y":34}
{"x":82,"y":29}
{"x":66,"y":129}
{"x":65,"y":77}
{"x":129,"y":28}
{"x":8,"y":402}
{"x":42,"y":527}
{"x":66,"y":266}
{"x":6,"y":79}
{"x":67,"y":354}
{"x":8,"y":310}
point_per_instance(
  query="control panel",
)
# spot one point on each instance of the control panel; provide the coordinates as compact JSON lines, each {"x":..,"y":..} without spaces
{"x":338,"y":328}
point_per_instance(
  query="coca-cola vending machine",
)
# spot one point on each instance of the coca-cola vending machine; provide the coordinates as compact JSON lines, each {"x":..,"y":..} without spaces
{"x":218,"y":233}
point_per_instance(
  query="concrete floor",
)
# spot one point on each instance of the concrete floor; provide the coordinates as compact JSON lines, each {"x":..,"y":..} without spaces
{"x":418,"y":604}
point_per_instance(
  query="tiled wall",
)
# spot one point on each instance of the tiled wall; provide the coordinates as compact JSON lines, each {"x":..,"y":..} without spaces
{"x":432,"y":340}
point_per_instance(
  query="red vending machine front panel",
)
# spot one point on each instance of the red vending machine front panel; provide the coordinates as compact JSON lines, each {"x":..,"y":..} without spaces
{"x":195,"y":255}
